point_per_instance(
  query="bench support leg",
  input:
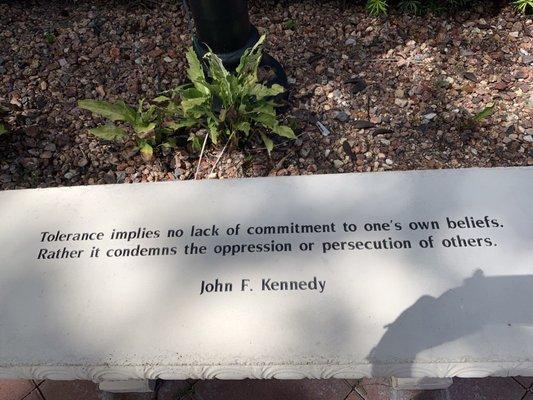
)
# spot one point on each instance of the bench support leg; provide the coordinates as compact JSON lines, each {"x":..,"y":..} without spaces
{"x":421,"y":383}
{"x":129,"y":386}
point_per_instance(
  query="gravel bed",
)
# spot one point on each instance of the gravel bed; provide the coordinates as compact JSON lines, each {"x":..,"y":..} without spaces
{"x":367,"y":94}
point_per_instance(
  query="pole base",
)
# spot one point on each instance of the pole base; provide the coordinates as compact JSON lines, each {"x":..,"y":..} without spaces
{"x":230,"y":60}
{"x":271,"y":69}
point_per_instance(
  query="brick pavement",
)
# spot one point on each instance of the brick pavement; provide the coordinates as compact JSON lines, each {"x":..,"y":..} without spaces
{"x":520,"y":388}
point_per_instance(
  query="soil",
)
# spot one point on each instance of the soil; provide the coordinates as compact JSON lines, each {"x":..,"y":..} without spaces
{"x":367,"y":94}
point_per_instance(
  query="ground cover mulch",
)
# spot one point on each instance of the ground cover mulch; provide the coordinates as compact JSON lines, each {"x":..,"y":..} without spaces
{"x":367,"y":94}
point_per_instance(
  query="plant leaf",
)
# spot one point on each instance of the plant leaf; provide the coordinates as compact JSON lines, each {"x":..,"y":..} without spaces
{"x":140,"y":107}
{"x":262,"y":91}
{"x":108,"y":132}
{"x":169,"y":144}
{"x":192,"y":93}
{"x":212,"y":125}
{"x":243,"y":127}
{"x":265,"y":108}
{"x":144,"y":128}
{"x":284,"y":131}
{"x":219,"y":74}
{"x":171,"y":109}
{"x":161,"y":99}
{"x":118,"y":111}
{"x":376,"y":7}
{"x":195,"y":71}
{"x":185,"y":123}
{"x":196,"y":143}
{"x":269,"y":144}
{"x":147,"y":151}
{"x":485,"y":113}
{"x":250,"y":60}
{"x":188,"y":104}
{"x":2,"y":129}
{"x":148,"y":115}
{"x":267,"y":120}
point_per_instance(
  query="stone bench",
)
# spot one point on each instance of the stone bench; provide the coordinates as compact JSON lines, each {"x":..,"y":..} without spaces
{"x":424,"y":274}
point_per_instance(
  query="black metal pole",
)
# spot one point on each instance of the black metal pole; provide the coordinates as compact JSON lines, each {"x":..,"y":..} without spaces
{"x":222,"y":24}
{"x":224,"y":27}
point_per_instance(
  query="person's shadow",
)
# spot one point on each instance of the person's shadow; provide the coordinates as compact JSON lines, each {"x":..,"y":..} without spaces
{"x":489,"y":319}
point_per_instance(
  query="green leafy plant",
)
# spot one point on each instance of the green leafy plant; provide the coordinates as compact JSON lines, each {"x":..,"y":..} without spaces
{"x":471,"y":122}
{"x":411,"y":6}
{"x":143,"y":121}
{"x":218,"y":105}
{"x":485,"y":113}
{"x":377,"y":7}
{"x":419,"y":7}
{"x":524,"y":6}
{"x":290,"y":24}
{"x":49,"y":38}
{"x":227,"y":105}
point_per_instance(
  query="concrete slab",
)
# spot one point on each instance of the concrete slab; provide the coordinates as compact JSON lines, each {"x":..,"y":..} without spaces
{"x":412,"y":274}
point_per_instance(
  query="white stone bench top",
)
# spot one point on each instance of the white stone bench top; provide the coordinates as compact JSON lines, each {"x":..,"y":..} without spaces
{"x":373,"y":302}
